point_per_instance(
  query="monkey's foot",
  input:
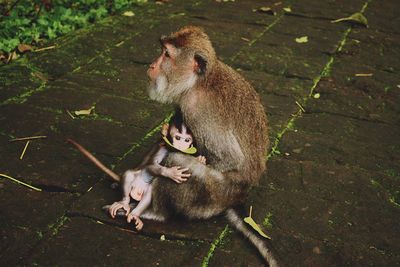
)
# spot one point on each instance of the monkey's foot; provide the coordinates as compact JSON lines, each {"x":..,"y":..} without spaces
{"x":138,"y":221}
{"x":120,"y":212}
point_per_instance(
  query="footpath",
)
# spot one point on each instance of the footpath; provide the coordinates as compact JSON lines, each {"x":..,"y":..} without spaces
{"x":331,"y":192}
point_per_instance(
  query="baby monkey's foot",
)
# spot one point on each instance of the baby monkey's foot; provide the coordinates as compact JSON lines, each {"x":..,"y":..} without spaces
{"x":138,"y":221}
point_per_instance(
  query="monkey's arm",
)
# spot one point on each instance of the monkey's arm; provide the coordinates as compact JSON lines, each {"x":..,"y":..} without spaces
{"x":176,"y":173}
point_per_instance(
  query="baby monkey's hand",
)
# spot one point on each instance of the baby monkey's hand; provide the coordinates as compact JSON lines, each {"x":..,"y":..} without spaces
{"x":176,"y":173}
{"x":202,"y":159}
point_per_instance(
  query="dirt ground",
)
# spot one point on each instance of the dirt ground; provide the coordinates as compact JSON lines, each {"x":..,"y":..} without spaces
{"x":330,"y":195}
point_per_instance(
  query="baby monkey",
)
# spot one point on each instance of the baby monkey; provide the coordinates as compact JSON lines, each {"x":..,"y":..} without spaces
{"x":136,"y":183}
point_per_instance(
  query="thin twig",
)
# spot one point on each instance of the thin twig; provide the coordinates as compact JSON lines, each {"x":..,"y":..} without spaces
{"x":27,"y":138}
{"x":23,"y":152}
{"x":19,"y":182}
{"x":302,"y":109}
{"x":70,"y":114}
{"x":363,"y":74}
{"x":44,"y":48}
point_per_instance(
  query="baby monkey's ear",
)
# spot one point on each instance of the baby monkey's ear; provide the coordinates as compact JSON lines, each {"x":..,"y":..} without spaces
{"x":164,"y":129}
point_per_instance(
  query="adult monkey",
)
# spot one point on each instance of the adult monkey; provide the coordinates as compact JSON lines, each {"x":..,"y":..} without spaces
{"x":228,"y":123}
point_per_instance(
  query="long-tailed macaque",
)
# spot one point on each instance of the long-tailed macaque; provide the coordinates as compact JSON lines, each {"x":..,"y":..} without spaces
{"x":228,"y":122}
{"x":136,"y":183}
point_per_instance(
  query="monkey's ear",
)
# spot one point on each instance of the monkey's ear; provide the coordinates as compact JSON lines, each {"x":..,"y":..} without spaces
{"x":200,"y":64}
{"x":164,"y":129}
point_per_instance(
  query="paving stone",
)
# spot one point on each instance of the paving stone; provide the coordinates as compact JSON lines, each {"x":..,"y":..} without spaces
{"x":26,"y":216}
{"x":330,"y":198}
{"x":83,"y":241}
{"x":345,"y":142}
{"x":101,"y":194}
{"x":16,"y":79}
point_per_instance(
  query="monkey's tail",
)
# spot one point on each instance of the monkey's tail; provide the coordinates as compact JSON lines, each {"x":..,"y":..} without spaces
{"x":261,"y":245}
{"x":95,"y":160}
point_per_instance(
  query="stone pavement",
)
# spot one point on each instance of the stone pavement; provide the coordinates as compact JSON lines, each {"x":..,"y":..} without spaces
{"x":330,"y":196}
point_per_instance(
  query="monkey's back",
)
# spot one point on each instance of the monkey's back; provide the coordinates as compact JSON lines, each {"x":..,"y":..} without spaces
{"x":230,"y":105}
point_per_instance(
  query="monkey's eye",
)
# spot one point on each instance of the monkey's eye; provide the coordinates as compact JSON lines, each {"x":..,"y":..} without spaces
{"x":177,"y":138}
{"x":187,"y":140}
{"x":166,"y":53}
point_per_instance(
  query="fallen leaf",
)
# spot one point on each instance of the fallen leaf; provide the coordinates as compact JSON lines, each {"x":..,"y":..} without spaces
{"x":356,"y":18}
{"x":287,"y":9}
{"x":301,"y":40}
{"x":12,"y":56}
{"x":84,"y":111}
{"x":317,"y":95}
{"x":162,"y":237}
{"x":266,"y":10}
{"x":249,"y":220}
{"x":128,"y":14}
{"x":22,"y":48}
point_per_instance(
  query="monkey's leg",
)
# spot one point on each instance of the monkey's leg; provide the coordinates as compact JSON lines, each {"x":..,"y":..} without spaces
{"x":127,"y":182}
{"x":142,"y":206}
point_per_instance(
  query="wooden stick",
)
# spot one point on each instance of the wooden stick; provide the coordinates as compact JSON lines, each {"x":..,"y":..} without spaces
{"x":23,"y":152}
{"x":19,"y":182}
{"x":28,"y":138}
{"x":44,"y":48}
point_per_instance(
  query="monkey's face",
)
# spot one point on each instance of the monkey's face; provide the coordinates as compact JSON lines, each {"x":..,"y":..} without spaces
{"x":180,"y":140}
{"x":171,"y":75}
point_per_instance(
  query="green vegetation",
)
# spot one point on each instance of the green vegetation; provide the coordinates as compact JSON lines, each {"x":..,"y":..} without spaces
{"x":33,"y":21}
{"x":55,"y":227}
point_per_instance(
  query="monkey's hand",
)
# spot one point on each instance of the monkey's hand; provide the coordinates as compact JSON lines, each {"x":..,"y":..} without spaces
{"x":116,"y":206}
{"x":176,"y":173}
{"x":202,"y":159}
{"x":138,"y":221}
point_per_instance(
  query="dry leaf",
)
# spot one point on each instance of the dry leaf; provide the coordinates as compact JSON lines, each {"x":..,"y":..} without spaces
{"x":301,"y":40}
{"x":128,"y":14}
{"x":22,"y":48}
{"x":12,"y":56}
{"x":266,"y":10}
{"x":249,"y":220}
{"x":84,"y":111}
{"x":287,"y":9}
{"x":356,"y":18}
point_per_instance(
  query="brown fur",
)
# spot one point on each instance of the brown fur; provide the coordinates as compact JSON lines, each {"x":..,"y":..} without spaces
{"x":229,"y":124}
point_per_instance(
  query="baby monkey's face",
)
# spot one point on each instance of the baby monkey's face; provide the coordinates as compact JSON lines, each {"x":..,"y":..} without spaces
{"x":180,"y":140}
